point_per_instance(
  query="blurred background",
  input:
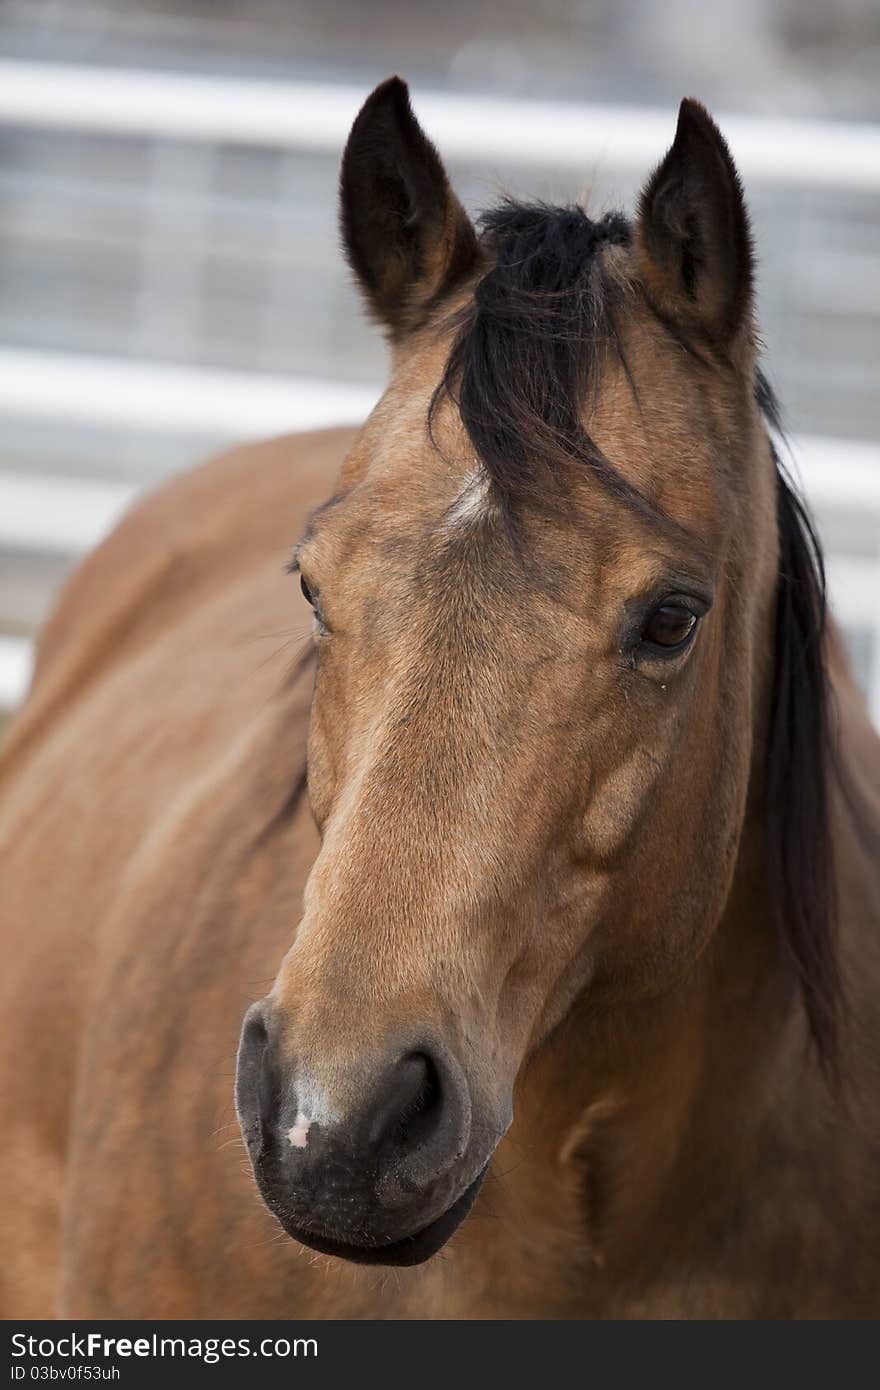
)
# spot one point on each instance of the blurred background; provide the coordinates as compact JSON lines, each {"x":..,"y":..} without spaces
{"x":170,"y":279}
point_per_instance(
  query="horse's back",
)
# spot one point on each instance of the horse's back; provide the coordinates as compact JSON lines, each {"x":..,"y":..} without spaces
{"x":161,"y":739}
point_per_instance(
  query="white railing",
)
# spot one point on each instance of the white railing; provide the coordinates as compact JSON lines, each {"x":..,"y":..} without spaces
{"x":16,"y":660}
{"x":110,"y":391}
{"x":317,"y":116}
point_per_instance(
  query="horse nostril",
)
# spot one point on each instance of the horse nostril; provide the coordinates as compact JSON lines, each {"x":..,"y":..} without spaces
{"x":422,"y":1115}
{"x":419,"y":1123}
{"x":409,"y":1110}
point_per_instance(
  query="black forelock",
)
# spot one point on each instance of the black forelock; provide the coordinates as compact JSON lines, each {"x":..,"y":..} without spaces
{"x":527,"y":349}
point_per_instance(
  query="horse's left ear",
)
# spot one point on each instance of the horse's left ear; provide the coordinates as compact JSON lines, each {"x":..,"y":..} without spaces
{"x":407,"y":237}
{"x":693,"y":242}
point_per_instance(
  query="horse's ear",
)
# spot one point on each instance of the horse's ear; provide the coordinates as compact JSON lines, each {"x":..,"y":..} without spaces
{"x":693,"y":241}
{"x":407,"y":237}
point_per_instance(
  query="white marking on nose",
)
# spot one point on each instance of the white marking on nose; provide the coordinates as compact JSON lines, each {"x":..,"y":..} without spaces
{"x":298,"y":1134}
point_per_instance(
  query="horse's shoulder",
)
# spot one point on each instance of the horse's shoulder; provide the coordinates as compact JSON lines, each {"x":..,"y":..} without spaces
{"x":204,"y":529}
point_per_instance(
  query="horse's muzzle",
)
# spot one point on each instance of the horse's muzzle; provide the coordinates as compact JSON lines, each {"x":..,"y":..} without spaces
{"x":390,"y":1181}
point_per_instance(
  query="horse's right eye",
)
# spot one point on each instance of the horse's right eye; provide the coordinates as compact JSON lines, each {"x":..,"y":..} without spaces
{"x":306,"y":591}
{"x":669,"y":628}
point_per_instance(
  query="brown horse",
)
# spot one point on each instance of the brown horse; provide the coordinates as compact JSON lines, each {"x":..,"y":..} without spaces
{"x":587,"y":963}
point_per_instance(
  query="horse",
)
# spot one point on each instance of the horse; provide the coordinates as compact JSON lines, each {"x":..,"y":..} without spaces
{"x":549,"y":788}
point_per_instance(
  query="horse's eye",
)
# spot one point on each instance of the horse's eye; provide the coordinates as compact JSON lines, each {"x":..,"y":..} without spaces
{"x":306,"y":591}
{"x":669,"y":626}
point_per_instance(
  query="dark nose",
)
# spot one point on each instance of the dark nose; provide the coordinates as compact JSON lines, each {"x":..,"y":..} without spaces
{"x":376,"y":1165}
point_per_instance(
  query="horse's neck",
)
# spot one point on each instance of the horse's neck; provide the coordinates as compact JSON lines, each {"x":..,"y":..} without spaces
{"x":646,"y":1133}
{"x":654,"y":1106}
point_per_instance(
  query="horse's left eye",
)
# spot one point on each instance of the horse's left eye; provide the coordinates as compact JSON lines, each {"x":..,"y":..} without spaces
{"x":306,"y":591}
{"x":669,"y":627}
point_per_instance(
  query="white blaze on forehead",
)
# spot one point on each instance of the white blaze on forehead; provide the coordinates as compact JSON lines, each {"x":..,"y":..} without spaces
{"x":298,"y":1134}
{"x":473,"y":499}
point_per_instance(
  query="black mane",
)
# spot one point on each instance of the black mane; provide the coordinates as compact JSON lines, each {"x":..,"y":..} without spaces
{"x":800,"y":756}
{"x":525,"y":356}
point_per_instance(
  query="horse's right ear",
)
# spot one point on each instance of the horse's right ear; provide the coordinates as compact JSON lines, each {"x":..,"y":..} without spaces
{"x":407,"y":237}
